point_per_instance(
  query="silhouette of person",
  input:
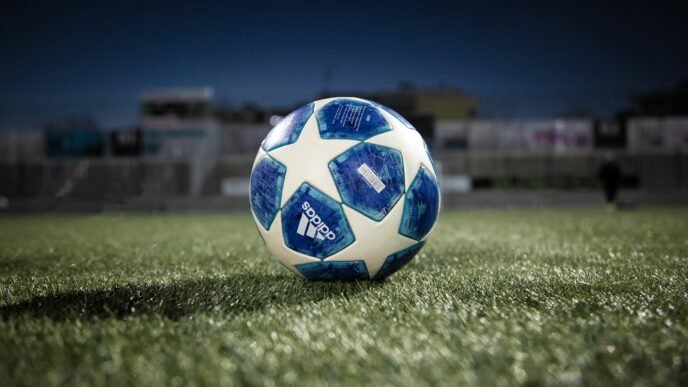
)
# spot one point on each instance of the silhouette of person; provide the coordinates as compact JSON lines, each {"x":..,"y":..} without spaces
{"x":610,"y":177}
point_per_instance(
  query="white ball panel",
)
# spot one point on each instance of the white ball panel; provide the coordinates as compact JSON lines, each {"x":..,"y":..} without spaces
{"x":375,"y":241}
{"x":275,"y":242}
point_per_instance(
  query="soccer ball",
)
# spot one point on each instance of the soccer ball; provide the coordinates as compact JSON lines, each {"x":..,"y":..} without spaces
{"x":344,"y":189}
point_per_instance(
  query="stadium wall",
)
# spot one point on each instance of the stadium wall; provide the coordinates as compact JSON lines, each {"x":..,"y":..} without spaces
{"x":124,"y":178}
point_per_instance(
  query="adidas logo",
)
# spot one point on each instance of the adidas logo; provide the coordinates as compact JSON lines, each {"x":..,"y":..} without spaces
{"x":312,"y":226}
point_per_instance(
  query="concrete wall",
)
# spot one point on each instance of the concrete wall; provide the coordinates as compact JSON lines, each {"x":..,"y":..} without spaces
{"x":559,"y":136}
{"x":95,"y":179}
{"x":651,"y":171}
{"x":658,"y":135}
{"x":21,"y":146}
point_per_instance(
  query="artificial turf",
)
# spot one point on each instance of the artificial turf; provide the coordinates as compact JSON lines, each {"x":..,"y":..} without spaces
{"x":495,"y":298}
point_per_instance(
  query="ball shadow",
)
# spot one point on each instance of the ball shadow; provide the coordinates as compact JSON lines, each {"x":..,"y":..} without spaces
{"x":229,"y":295}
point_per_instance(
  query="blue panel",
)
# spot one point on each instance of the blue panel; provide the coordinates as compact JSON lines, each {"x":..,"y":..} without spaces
{"x":432,"y":161}
{"x":334,"y":271}
{"x":314,"y":224}
{"x":288,"y":130}
{"x":398,"y":260}
{"x":370,"y":178}
{"x":396,"y":115}
{"x":267,"y":179}
{"x":421,"y":206}
{"x":350,"y":119}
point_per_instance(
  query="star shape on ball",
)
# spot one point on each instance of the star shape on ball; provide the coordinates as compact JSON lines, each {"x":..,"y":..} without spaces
{"x":415,"y":155}
{"x":375,"y":241}
{"x":307,"y":160}
{"x":273,"y":240}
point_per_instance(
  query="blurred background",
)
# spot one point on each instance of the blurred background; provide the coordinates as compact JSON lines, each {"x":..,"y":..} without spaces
{"x":162,"y":105}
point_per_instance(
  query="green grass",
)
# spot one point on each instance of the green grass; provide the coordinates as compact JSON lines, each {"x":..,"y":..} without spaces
{"x":495,"y":298}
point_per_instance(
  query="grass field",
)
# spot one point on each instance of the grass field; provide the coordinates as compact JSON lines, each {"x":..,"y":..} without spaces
{"x":496,"y":298}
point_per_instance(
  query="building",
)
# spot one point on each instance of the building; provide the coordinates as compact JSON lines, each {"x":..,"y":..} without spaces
{"x":126,"y":142}
{"x":178,"y":123}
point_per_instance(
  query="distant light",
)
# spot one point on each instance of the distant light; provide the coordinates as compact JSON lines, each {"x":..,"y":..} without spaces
{"x":4,"y":203}
{"x":274,"y":120}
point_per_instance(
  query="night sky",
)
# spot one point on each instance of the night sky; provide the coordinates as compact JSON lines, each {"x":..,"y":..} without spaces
{"x":534,"y":60}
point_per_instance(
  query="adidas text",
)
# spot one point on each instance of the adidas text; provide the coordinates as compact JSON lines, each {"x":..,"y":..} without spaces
{"x":312,"y":226}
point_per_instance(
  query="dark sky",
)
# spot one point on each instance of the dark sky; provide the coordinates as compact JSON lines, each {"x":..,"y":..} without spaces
{"x":521,"y":59}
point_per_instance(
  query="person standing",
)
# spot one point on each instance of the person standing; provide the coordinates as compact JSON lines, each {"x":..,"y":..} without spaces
{"x":610,"y":178}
